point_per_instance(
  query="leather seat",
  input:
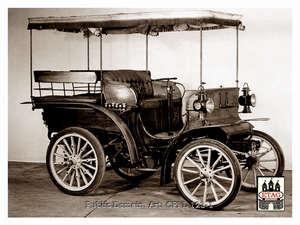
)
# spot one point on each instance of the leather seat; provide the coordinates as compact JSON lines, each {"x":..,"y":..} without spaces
{"x":148,"y":94}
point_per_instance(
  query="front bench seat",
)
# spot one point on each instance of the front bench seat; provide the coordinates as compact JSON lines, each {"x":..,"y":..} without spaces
{"x":136,"y":88}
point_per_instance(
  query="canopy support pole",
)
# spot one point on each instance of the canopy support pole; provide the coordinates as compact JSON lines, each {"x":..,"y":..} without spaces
{"x":100,"y":53}
{"x":88,"y":52}
{"x":237,"y":57}
{"x":147,"y":52}
{"x":30,"y":52}
{"x":101,"y":72}
{"x":201,"y":82}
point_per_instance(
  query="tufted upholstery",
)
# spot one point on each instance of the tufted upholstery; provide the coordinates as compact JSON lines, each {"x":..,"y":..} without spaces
{"x":148,"y":94}
{"x":136,"y":88}
{"x":139,"y":81}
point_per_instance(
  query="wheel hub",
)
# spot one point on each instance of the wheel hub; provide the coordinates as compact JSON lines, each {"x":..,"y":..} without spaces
{"x":75,"y":160}
{"x":252,"y":161}
{"x":207,"y":174}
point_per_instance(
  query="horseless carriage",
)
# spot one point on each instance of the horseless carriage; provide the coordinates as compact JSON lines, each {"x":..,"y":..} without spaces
{"x":138,"y":125}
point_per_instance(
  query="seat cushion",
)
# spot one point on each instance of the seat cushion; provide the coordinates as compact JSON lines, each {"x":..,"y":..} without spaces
{"x":140,"y":81}
{"x":149,"y":94}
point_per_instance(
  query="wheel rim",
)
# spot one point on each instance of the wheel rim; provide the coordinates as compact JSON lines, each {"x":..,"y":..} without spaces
{"x":202,"y":175}
{"x":73,"y":162}
{"x":261,"y":162}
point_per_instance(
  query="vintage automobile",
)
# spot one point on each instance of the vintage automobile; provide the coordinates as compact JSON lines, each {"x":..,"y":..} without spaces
{"x":125,"y":120}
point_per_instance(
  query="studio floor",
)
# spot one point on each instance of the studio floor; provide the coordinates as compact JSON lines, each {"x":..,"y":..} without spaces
{"x":31,"y":193}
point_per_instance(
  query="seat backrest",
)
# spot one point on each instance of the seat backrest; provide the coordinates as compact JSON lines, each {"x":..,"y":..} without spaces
{"x":82,"y":77}
{"x":139,"y":81}
{"x":81,"y":81}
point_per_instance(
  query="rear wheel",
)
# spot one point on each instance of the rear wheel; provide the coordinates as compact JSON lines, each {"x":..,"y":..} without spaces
{"x":75,"y":161}
{"x":200,"y":174}
{"x":267,"y":160}
{"x":119,"y":158}
{"x":132,"y":174}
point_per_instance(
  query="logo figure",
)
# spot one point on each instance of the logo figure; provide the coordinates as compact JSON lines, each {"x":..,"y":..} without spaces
{"x":270,"y":196}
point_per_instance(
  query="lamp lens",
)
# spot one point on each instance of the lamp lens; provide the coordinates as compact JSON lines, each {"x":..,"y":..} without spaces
{"x":197,"y":105}
{"x":253,"y":100}
{"x":210,"y":105}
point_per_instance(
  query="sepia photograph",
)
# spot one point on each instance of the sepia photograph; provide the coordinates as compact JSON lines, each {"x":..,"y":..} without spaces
{"x":150,"y":112}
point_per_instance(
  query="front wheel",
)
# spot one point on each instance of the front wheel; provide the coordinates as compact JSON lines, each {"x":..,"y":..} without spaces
{"x":200,"y":174}
{"x":75,"y":161}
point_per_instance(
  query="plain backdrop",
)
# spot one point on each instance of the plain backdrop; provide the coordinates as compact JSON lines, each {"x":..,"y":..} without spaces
{"x":265,"y":63}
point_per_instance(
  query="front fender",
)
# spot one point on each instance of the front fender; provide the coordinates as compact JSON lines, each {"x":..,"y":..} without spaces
{"x":222,"y":133}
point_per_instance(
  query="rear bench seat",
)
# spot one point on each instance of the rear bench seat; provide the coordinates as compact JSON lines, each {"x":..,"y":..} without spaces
{"x":136,"y":88}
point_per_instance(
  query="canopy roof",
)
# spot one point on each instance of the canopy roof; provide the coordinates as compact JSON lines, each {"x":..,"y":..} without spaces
{"x":145,"y":22}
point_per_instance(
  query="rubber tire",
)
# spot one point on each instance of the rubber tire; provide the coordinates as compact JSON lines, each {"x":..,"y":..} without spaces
{"x":99,"y":154}
{"x":228,"y":153}
{"x":143,"y":175}
{"x":277,"y":150}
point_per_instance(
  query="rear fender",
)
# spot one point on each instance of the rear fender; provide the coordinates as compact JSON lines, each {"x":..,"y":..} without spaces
{"x":124,"y":130}
{"x":120,"y":124}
